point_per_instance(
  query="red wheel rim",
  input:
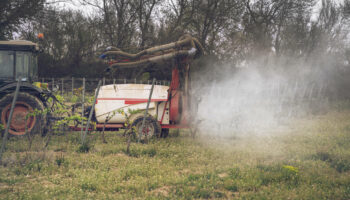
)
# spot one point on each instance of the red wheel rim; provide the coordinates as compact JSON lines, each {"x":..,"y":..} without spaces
{"x":18,"y":123}
{"x":148,"y":129}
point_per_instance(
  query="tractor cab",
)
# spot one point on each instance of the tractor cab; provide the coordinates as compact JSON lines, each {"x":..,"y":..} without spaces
{"x":18,"y":58}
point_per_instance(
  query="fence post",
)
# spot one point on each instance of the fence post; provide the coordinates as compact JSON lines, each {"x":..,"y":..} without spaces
{"x":82,"y":108}
{"x":135,"y":81}
{"x":124,"y":81}
{"x":114,"y":81}
{"x":72,"y":86}
{"x":62,"y":88}
{"x":10,"y":118}
{"x":146,"y":111}
{"x":91,"y":112}
{"x":53,"y":83}
{"x":104,"y":81}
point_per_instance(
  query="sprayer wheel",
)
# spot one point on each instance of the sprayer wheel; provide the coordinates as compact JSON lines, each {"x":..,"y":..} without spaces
{"x":151,"y":127}
{"x":165,"y":133}
{"x":25,"y":104}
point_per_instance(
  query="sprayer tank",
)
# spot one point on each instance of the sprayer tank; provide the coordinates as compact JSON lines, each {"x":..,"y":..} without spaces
{"x":116,"y":101}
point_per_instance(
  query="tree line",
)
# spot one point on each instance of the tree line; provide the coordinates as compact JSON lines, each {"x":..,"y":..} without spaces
{"x":230,"y":30}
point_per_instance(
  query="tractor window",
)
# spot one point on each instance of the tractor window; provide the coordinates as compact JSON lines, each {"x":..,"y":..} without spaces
{"x":22,"y":64}
{"x":33,"y":68}
{"x":6,"y":64}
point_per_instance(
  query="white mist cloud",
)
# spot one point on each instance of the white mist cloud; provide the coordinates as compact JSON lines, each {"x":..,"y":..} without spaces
{"x":253,"y":99}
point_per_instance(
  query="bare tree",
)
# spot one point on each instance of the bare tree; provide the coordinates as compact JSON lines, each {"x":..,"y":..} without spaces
{"x":119,"y":18}
{"x":203,"y":19}
{"x":144,"y":10}
{"x":14,"y":13}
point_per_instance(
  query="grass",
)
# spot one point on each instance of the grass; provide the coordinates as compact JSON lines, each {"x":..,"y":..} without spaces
{"x":308,"y":160}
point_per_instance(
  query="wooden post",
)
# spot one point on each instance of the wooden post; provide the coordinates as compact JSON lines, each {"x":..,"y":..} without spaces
{"x":10,"y":118}
{"x":104,"y":81}
{"x":103,"y":129}
{"x":72,"y":86}
{"x":82,"y":108}
{"x":146,"y":111}
{"x":91,"y":112}
{"x":62,"y":87}
{"x":53,"y":83}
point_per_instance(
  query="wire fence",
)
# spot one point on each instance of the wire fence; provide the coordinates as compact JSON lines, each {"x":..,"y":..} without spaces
{"x":67,"y":86}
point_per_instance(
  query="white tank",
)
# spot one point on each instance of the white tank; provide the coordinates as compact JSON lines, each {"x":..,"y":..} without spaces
{"x":112,"y":98}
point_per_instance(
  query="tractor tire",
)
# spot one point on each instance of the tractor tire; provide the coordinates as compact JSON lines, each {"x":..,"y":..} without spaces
{"x":165,"y":133}
{"x":25,"y":104}
{"x":152,"y":127}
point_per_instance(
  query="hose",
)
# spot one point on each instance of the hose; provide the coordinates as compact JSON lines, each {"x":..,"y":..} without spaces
{"x":186,"y":42}
{"x":155,"y":59}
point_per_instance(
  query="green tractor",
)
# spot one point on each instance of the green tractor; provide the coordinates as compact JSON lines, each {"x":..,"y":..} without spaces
{"x":18,"y":59}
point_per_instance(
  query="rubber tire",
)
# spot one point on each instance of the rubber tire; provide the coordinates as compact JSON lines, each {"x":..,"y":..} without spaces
{"x":165,"y":133}
{"x":32,"y":101}
{"x":149,"y":119}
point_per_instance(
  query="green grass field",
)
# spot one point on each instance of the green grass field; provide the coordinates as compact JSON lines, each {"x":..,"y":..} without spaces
{"x":310,"y":159}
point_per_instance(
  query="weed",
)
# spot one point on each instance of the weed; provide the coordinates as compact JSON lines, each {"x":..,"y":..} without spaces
{"x":278,"y":174}
{"x":201,"y":193}
{"x":84,"y":148}
{"x":34,"y":166}
{"x":60,"y":160}
{"x":219,"y":195}
{"x":88,"y":187}
{"x":141,"y":152}
{"x":321,"y":155}
{"x":235,"y":173}
{"x":194,"y":177}
{"x":231,"y":185}
{"x":11,"y":181}
{"x":338,"y":162}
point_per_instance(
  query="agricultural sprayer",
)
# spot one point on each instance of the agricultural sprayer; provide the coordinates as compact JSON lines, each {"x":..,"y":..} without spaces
{"x":169,"y":106}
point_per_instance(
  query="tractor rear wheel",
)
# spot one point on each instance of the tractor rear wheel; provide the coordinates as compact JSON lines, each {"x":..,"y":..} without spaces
{"x":25,"y":104}
{"x":151,"y":127}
